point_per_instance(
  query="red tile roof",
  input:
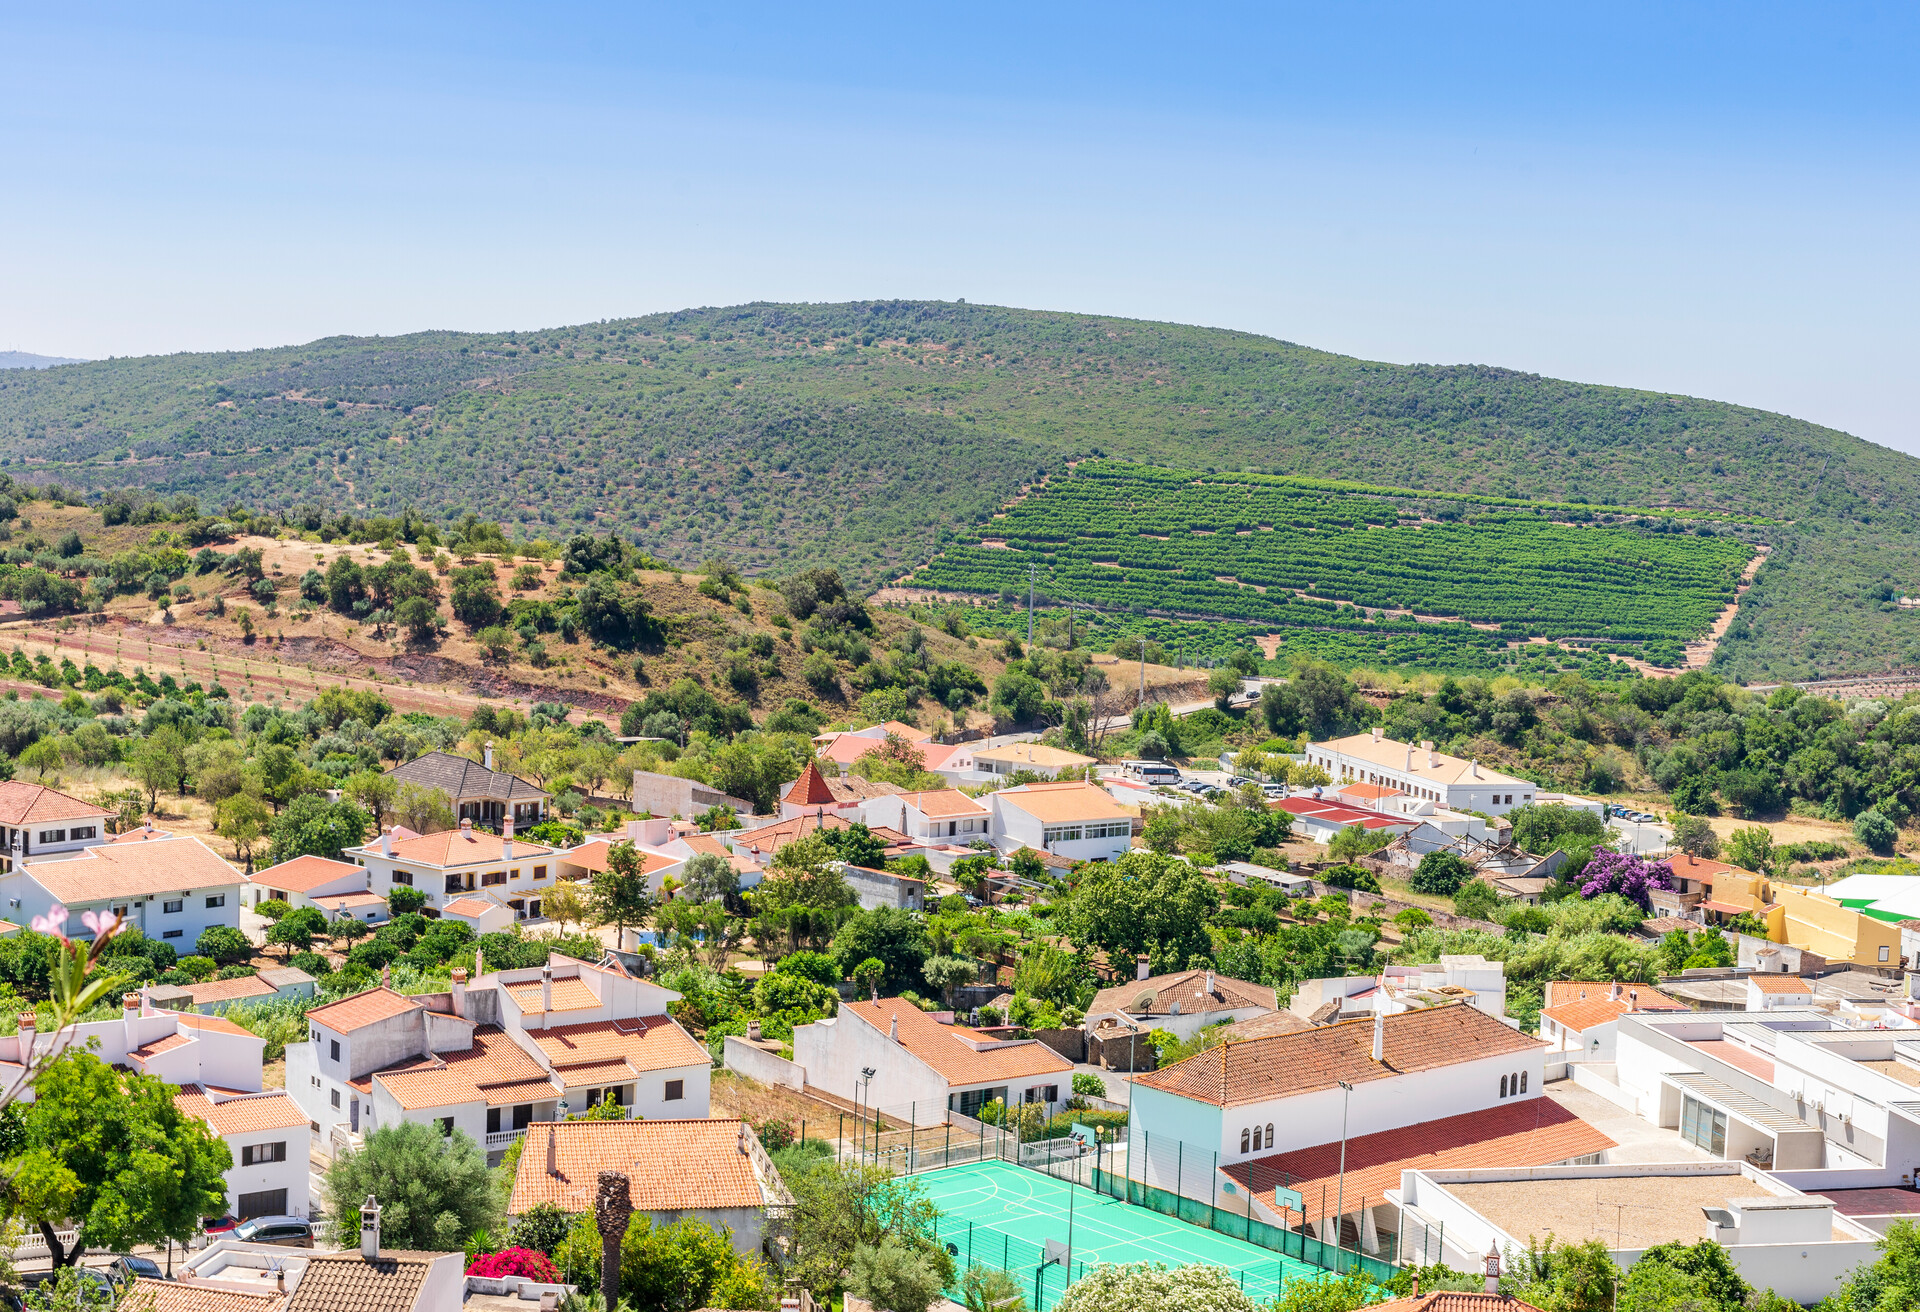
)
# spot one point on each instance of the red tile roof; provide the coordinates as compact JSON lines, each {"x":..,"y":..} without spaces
{"x":1579,"y":1005}
{"x":460,"y":847}
{"x":1336,"y":813}
{"x":225,"y":990}
{"x":31,"y":804}
{"x":272,"y":1109}
{"x":362,"y":1009}
{"x":1780,"y":983}
{"x":178,"y":1296}
{"x":1289,"y":1064}
{"x":771,"y":838}
{"x":647,"y":1043}
{"x":1532,"y":1131}
{"x":1157,"y":996}
{"x":810,"y":789}
{"x":495,"y":1070}
{"x":673,"y":1166}
{"x":117,"y":870}
{"x":1733,"y":1054}
{"x":948,"y":1050}
{"x":305,"y":872}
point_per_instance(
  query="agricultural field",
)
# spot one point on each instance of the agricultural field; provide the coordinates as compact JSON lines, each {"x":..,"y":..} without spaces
{"x":1374,"y":568}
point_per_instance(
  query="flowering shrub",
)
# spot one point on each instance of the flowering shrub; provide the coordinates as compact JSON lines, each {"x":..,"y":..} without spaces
{"x":1632,"y":877}
{"x":1150,"y":1285}
{"x":511,"y":1263}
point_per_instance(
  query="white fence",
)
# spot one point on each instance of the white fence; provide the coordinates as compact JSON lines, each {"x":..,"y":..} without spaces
{"x":756,"y":1064}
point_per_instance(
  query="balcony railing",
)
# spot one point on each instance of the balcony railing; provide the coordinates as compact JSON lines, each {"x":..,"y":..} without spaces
{"x":501,"y":1138}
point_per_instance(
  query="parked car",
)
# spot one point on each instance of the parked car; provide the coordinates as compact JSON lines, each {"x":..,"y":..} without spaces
{"x":129,"y":1267}
{"x":97,"y":1287}
{"x":288,"y":1231}
{"x":221,"y":1225}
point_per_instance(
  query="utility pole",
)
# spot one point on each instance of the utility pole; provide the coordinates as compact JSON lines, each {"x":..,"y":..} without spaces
{"x":1029,"y":603}
{"x":1340,"y":1196}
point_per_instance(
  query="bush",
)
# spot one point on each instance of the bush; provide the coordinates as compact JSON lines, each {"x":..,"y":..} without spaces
{"x":223,"y":944}
{"x":198,"y":969}
{"x":1352,"y":876}
{"x":1874,"y":829}
{"x":527,"y":1263}
{"x":271,"y":909}
{"x":541,"y":1227}
{"x":403,"y":899}
{"x":1086,"y":1085}
{"x":1441,"y":873}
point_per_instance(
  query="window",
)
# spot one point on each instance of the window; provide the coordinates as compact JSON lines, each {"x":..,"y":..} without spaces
{"x":1065,"y":834}
{"x":1269,"y":1142}
{"x":1703,"y":1126}
{"x":217,"y":900}
{"x":315,"y":1036}
{"x":676,"y":1090}
{"x":1245,"y":1135}
{"x":336,"y":1097}
{"x":258,"y":1154}
{"x":85,"y":831}
{"x":493,"y":877}
{"x":174,"y":933}
{"x":1503,"y":1086}
{"x":453,"y":884}
{"x":53,"y":835}
{"x":523,"y":1116}
{"x":446,"y":1126}
{"x":315,"y":1079}
{"x":267,"y":1202}
{"x":539,"y":872}
{"x":1883,"y":953}
{"x":1523,"y":1081}
{"x":403,"y":877}
{"x":173,"y":906}
{"x":513,"y":874}
{"x":493,"y":1120}
{"x":333,"y":1046}
{"x":1051,"y":1093}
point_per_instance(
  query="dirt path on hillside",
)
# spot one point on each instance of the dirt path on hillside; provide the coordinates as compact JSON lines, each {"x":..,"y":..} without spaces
{"x":1699,"y":653}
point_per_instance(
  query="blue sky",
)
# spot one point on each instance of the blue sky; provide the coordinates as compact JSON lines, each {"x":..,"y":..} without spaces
{"x":1710,"y":199}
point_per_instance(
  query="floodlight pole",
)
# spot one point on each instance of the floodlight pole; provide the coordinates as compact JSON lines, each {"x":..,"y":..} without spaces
{"x":1340,"y":1196}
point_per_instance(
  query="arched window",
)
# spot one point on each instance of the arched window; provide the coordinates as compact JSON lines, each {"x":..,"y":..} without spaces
{"x":1503,"y":1086}
{"x":1243,"y":1141}
{"x":1523,"y":1081}
{"x":1269,"y":1134}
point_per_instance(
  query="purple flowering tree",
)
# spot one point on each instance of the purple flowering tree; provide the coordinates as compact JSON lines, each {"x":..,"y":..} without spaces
{"x":1632,"y":877}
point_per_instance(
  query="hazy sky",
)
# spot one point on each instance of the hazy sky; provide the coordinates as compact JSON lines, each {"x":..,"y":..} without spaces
{"x":1717,"y":200}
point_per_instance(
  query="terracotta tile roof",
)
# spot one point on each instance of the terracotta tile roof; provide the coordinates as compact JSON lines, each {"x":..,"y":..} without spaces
{"x":1265,"y":1027}
{"x":943,"y":803}
{"x":570,"y":994}
{"x":215,"y":1024}
{"x":158,"y":1046}
{"x":348,"y":901}
{"x":1734,"y":1055}
{"x":1579,"y":1005}
{"x":1063,"y":803}
{"x":674,"y":1165}
{"x":1157,"y":996}
{"x":32,"y":804}
{"x":810,"y":789}
{"x":900,"y":729}
{"x":1780,"y":983}
{"x":469,"y":906}
{"x":650,"y":1043}
{"x":145,"y":834}
{"x":1455,"y":1300}
{"x":348,"y":1282}
{"x":305,"y":872}
{"x":1369,"y":792}
{"x":114,"y":870}
{"x":459,"y":778}
{"x":495,"y":1070}
{"x":362,"y":1009}
{"x":708,"y":843}
{"x":179,"y":1296}
{"x":247,"y":1114}
{"x":1023,"y":754}
{"x":1534,"y":1131}
{"x":460,"y":847}
{"x":593,"y":856}
{"x":226,"y":990}
{"x":946,"y":1048}
{"x":1290,"y":1064}
{"x":771,"y":838}
{"x":1387,"y":754}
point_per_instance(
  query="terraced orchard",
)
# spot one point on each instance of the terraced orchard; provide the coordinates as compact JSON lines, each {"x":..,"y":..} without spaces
{"x":1285,"y":553}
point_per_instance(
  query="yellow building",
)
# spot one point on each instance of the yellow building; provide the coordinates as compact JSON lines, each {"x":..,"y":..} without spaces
{"x":1807,"y":920}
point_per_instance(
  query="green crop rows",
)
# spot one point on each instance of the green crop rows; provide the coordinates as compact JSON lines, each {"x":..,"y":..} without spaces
{"x":1300,"y":554}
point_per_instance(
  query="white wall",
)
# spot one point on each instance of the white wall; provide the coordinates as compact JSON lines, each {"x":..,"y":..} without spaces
{"x":291,"y":1174}
{"x":25,"y":899}
{"x":834,"y":1052}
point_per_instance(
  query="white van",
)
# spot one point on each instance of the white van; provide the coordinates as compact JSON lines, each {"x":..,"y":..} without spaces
{"x":1153,"y":772}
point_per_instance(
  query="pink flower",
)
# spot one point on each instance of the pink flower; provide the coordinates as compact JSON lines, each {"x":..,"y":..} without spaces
{"x":54,"y":922}
{"x":526,"y":1263}
{"x":102,"y":923}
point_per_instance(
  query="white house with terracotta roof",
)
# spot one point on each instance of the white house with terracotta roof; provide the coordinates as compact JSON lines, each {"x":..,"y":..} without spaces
{"x":34,"y":820}
{"x":925,"y":1062}
{"x":1439,"y":1086}
{"x":1027,"y":758}
{"x":1580,"y":1017}
{"x":1081,"y":821}
{"x":170,"y":888}
{"x":457,"y":863}
{"x":711,"y":1171}
{"x":478,"y":792}
{"x":814,"y":792}
{"x":303,"y":880}
{"x":1420,"y":772}
{"x":493,"y":1058}
{"x":1182,"y":1003}
{"x":944,"y":815}
{"x":217,"y":1066}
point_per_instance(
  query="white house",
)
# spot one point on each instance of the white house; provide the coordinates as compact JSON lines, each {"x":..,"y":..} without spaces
{"x":35,"y":821}
{"x":1182,"y":1003}
{"x":454,"y":863}
{"x":493,"y":1058}
{"x":231,"y":1276}
{"x":217,"y":1066}
{"x":303,"y":881}
{"x":1420,"y":772}
{"x":1028,"y":758}
{"x":920,"y":1060}
{"x":712,"y":1171}
{"x":1579,"y":1017}
{"x":167,"y":887}
{"x":481,"y":911}
{"x":945,"y":815}
{"x":1437,"y":1086}
{"x":814,"y":793}
{"x":1081,"y":821}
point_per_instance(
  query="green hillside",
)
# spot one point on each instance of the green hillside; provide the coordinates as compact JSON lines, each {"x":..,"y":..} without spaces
{"x":870,"y":435}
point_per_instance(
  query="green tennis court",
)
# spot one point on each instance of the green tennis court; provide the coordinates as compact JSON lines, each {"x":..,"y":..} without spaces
{"x":1005,"y":1216}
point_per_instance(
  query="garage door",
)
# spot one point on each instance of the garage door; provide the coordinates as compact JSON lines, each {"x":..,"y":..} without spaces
{"x":268,"y":1202}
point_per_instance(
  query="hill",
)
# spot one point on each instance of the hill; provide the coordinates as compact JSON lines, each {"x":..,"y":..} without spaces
{"x":28,"y":360}
{"x":870,"y":435}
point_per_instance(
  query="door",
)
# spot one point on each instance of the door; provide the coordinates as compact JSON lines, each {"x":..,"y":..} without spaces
{"x":267,"y":1202}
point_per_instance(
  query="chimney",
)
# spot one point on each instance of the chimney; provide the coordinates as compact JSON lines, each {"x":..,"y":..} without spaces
{"x":546,"y":993}
{"x":489,"y":756}
{"x":553,"y":1151}
{"x":1613,"y":994}
{"x":24,"y":1041}
{"x":460,"y":991}
{"x":1476,"y":768}
{"x":1493,"y":1269}
{"x":1379,"y":1036}
{"x":1376,"y":733}
{"x":386,"y":977}
{"x":741,"y":1142}
{"x":1409,"y":764}
{"x":146,"y":1003}
{"x":893,"y":1030}
{"x":1142,"y":969}
{"x":279,"y":1278}
{"x":369,"y":1229}
{"x":506,"y":839}
{"x":479,"y":964}
{"x":1633,"y":999}
{"x":466,"y":826}
{"x":1209,"y":983}
{"x":129,"y":1012}
{"x":386,"y":840}
{"x":1433,"y":757}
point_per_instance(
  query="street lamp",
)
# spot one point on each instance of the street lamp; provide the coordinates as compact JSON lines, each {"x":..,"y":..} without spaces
{"x":1340,"y":1195}
{"x":866,"y":1082}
